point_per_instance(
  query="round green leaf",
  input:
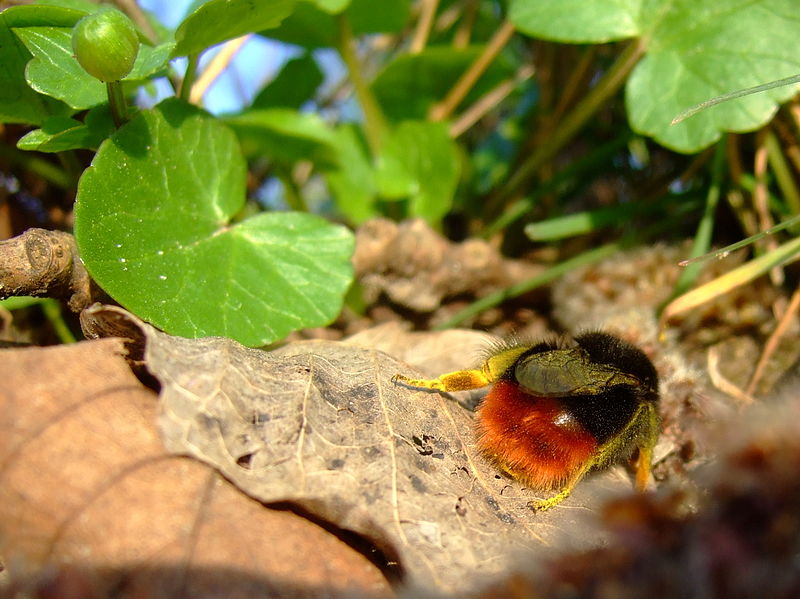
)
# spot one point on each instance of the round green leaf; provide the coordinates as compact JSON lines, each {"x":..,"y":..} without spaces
{"x":153,"y":224}
{"x":420,"y":161}
{"x":696,"y":50}
{"x":699,"y":50}
{"x":313,"y":25}
{"x":580,"y":21}
{"x":286,"y":136}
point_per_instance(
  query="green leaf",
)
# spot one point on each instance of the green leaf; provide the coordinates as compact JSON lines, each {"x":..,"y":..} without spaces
{"x":18,"y":102}
{"x":577,"y":21}
{"x":699,"y":50}
{"x":313,"y":26}
{"x":55,"y":72}
{"x":58,"y":134}
{"x":62,"y":133}
{"x":293,"y":86}
{"x":332,"y":6}
{"x":153,"y":225}
{"x":696,"y":50}
{"x":286,"y":136}
{"x":412,"y":83}
{"x":353,"y":183}
{"x":421,"y":162}
{"x":219,"y":20}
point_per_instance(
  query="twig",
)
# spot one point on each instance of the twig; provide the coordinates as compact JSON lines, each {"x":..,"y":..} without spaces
{"x":722,"y":383}
{"x":424,"y":24}
{"x":137,"y":15}
{"x":760,"y":198}
{"x":489,"y":100}
{"x":445,"y":108}
{"x":772,"y":343}
{"x":218,"y":64}
{"x":575,"y":120}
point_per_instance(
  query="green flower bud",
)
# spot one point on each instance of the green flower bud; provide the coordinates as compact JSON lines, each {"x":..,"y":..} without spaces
{"x":106,"y":44}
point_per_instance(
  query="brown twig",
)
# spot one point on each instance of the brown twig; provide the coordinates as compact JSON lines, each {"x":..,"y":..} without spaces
{"x":424,"y":24}
{"x":761,"y":198}
{"x":219,"y":63}
{"x":774,"y":340}
{"x":445,"y":108}
{"x":44,"y":263}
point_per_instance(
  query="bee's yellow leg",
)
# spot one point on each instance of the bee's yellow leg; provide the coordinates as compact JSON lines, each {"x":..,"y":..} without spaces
{"x":643,"y":468}
{"x":564,"y":492}
{"x":461,"y":380}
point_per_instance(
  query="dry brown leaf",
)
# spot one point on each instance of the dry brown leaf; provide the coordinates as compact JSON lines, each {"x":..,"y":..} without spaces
{"x":86,"y":483}
{"x":320,"y":424}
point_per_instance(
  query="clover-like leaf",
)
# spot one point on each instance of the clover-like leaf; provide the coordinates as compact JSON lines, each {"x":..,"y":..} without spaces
{"x":286,"y":136}
{"x":58,"y":134}
{"x":18,"y":102}
{"x":153,"y":224}
{"x":694,"y":51}
{"x":219,"y":20}
{"x":420,"y":161}
{"x":352,"y":183}
{"x":313,"y":24}
{"x":55,"y":72}
{"x":296,"y":84}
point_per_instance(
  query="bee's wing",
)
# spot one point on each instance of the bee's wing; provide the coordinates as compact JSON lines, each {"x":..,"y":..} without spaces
{"x":562,"y":372}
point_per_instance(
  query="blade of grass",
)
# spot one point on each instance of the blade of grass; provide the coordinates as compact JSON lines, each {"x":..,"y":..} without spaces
{"x":551,"y":274}
{"x":576,"y":170}
{"x":723,"y":253}
{"x":702,"y":239}
{"x":573,"y":122}
{"x":745,"y":273}
{"x":733,"y":95}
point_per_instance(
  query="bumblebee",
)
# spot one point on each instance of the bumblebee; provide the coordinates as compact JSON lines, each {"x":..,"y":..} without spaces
{"x":556,"y":411}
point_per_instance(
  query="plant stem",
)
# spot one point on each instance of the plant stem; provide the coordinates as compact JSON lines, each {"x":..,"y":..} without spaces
{"x":116,"y":100}
{"x":374,"y":120}
{"x":783,"y":174}
{"x":611,"y":82}
{"x":554,"y":272}
{"x":551,"y":274}
{"x":52,"y":311}
{"x":188,"y":78}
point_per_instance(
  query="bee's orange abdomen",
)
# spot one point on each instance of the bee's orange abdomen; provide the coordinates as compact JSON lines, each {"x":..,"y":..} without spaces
{"x":532,"y":438}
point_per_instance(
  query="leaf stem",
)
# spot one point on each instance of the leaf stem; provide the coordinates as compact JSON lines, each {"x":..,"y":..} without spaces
{"x":291,"y":192}
{"x":189,"y":77}
{"x":610,"y":83}
{"x":116,"y":100}
{"x":374,"y":120}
